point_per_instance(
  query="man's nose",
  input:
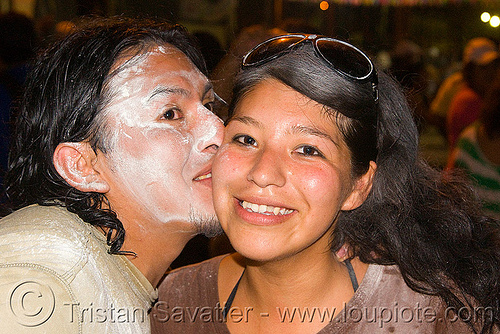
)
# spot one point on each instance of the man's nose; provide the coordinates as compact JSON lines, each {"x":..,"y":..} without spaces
{"x":210,"y":132}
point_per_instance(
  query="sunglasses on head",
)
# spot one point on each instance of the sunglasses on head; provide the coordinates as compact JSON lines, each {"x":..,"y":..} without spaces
{"x":342,"y":57}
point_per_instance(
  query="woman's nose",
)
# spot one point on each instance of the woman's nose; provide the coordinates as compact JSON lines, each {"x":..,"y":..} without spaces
{"x":267,"y":170}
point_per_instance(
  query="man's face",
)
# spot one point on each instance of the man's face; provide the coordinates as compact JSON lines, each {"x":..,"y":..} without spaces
{"x":161,"y":139}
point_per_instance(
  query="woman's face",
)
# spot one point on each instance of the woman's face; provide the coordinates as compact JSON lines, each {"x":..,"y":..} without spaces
{"x":282,"y":175}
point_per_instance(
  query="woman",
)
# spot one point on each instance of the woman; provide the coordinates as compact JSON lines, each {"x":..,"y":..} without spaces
{"x":339,"y":227}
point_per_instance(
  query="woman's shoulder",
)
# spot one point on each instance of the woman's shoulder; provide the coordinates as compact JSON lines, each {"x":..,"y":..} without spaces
{"x":387,"y":288}
{"x":191,"y":278}
{"x":392,"y":289}
{"x":385,"y":303}
{"x":188,"y":299}
{"x":208,"y":266}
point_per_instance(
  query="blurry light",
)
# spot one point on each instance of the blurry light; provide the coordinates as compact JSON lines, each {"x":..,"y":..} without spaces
{"x":324,"y":5}
{"x":434,"y":51}
{"x":485,"y":17}
{"x":495,"y":21}
{"x":383,"y":60}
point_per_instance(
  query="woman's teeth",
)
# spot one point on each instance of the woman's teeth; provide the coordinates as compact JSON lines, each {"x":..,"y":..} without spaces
{"x":265,"y":209}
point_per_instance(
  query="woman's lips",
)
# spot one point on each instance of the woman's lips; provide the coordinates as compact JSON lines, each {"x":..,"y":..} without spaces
{"x":262,"y":214}
{"x":265,"y":209}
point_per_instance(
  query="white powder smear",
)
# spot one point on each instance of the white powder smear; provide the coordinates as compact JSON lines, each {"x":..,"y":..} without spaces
{"x":156,"y":160}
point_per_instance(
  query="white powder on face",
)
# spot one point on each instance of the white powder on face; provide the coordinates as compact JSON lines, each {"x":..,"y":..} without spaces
{"x":154,"y":160}
{"x":126,"y":134}
{"x":135,"y":67}
{"x":206,"y":132}
{"x":165,"y":50}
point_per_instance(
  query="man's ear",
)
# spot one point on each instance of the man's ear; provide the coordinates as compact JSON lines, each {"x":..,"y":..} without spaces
{"x":361,"y":189}
{"x":75,"y":163}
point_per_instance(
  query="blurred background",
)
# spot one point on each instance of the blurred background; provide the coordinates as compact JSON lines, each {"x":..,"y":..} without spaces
{"x":441,"y":27}
{"x":430,"y":46}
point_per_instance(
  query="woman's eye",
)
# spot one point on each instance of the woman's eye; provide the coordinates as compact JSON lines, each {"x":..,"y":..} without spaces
{"x":309,"y":151}
{"x":245,"y":140}
{"x":172,"y":114}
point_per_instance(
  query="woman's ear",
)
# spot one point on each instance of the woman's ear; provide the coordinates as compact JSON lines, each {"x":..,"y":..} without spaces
{"x":344,"y":253}
{"x":361,"y":189}
{"x":75,"y":163}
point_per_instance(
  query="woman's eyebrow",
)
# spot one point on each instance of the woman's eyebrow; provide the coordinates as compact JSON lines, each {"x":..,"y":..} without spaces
{"x":301,"y":129}
{"x":246,"y":120}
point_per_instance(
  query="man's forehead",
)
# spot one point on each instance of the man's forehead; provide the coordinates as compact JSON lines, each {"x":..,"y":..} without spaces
{"x":167,"y":54}
{"x":161,"y":67}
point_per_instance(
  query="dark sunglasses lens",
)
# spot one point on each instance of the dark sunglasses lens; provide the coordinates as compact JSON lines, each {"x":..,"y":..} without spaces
{"x":344,"y":58}
{"x":271,"y":49}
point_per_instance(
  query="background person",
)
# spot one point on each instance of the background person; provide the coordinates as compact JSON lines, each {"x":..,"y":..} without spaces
{"x":109,"y":175}
{"x":478,"y":152}
{"x":482,"y":61}
{"x":319,"y":187}
{"x":440,"y":105}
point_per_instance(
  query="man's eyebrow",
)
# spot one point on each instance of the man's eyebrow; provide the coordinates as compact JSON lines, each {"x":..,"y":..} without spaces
{"x":168,"y":91}
{"x":313,"y":132}
{"x":245,"y":120}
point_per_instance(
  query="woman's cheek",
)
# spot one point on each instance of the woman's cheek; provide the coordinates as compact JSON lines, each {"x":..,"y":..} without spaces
{"x":315,"y":182}
{"x":227,"y":164}
{"x":221,"y":178}
{"x":320,"y":183}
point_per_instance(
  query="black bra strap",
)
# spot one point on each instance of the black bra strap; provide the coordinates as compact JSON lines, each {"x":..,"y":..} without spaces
{"x":230,"y":299}
{"x":352,"y":275}
{"x":229,"y":302}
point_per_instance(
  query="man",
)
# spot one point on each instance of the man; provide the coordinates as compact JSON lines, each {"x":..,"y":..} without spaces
{"x":109,"y":175}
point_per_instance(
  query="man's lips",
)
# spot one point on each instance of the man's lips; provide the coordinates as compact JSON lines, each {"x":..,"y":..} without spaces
{"x":204,"y":176}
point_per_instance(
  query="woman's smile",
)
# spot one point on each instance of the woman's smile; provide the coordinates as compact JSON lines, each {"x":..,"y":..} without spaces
{"x":262,"y":214}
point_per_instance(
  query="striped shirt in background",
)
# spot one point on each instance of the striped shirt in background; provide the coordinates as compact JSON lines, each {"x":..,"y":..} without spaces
{"x":486,"y":175}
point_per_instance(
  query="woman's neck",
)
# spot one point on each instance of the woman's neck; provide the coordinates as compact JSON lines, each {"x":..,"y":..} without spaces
{"x":290,"y":279}
{"x":279,"y":287}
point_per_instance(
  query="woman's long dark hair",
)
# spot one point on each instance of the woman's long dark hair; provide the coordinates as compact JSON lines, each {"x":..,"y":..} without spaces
{"x":426,"y":222}
{"x":65,"y":97}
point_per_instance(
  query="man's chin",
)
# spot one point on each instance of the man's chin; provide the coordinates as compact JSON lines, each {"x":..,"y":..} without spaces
{"x":212,"y":232}
{"x":205,"y":224}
